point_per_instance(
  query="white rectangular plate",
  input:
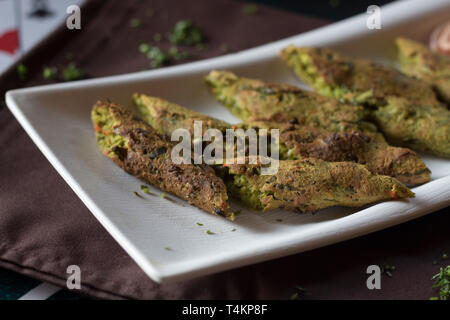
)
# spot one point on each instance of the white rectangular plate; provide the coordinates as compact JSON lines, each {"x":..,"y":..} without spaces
{"x":57,"y":117}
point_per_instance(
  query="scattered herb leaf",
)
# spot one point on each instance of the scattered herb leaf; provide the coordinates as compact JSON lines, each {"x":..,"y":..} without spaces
{"x":69,"y":56}
{"x":442,"y":282}
{"x":22,"y":71}
{"x":187,"y":33}
{"x":157,"y":37}
{"x":199,"y":224}
{"x":201,"y":46}
{"x":164,"y":195}
{"x":209,"y":232}
{"x":387,"y":270}
{"x":299,"y":292}
{"x":71,"y":72}
{"x":294,"y":296}
{"x":250,"y":9}
{"x":157,"y":57}
{"x":176,"y":54}
{"x":144,"y":48}
{"x":137,"y":194}
{"x":146,"y":190}
{"x":168,"y":248}
{"x":135,"y":23}
{"x":50,"y":73}
{"x":224,"y":47}
{"x":233,"y":230}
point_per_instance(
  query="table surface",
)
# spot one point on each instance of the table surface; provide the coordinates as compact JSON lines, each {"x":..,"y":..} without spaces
{"x":337,"y":271}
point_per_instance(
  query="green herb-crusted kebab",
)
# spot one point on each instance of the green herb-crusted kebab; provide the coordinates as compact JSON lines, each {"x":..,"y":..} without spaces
{"x":311,"y":184}
{"x":316,"y":126}
{"x":419,"y":61}
{"x":298,"y":142}
{"x":354,"y":80}
{"x":255,"y":100}
{"x":138,"y":149}
{"x":165,"y":116}
{"x":304,"y":184}
{"x":405,"y":109}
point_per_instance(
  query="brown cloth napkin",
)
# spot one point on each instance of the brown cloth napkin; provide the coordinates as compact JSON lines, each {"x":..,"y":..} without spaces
{"x":44,"y":227}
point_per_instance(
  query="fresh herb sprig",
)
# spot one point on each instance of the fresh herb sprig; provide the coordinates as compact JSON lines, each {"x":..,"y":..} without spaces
{"x":442,"y":282}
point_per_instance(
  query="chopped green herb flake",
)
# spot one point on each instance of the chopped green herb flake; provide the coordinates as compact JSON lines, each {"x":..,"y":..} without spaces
{"x":177,"y":54}
{"x":22,"y":71}
{"x":144,"y":48}
{"x":137,"y":194}
{"x":72,"y":72}
{"x":135,"y":23}
{"x":444,"y":256}
{"x":233,"y":230}
{"x":201,"y":46}
{"x":157,"y":56}
{"x":209,"y":232}
{"x":298,"y":293}
{"x":145,"y":189}
{"x":250,"y":9}
{"x":164,"y":195}
{"x":199,"y":224}
{"x":50,"y":73}
{"x":187,"y":33}
{"x":157,"y":37}
{"x":69,"y":56}
{"x":387,"y":270}
{"x":168,"y":248}
{"x":224,"y":47}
